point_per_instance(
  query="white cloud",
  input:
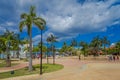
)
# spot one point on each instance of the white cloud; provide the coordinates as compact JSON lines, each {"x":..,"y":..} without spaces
{"x":37,"y":38}
{"x":10,"y":24}
{"x":2,"y":29}
{"x":67,"y":18}
{"x":89,"y":17}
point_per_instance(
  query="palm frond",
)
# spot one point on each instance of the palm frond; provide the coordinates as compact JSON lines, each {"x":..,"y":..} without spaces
{"x":32,"y":11}
{"x":40,"y":25}
{"x":21,"y":25}
{"x":39,"y":19}
{"x":24,"y":16}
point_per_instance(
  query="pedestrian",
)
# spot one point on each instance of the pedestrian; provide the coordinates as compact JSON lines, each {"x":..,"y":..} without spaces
{"x":38,"y":56}
{"x":110,"y":58}
{"x":79,"y":57}
{"x":117,"y":57}
{"x":114,"y":57}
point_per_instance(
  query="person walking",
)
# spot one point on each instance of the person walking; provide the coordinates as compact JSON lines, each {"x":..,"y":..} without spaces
{"x":117,"y":57}
{"x":114,"y":57}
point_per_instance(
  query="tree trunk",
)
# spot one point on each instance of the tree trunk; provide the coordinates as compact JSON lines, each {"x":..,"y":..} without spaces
{"x":18,"y":54}
{"x":71,"y":53}
{"x":8,"y":61}
{"x":30,"y":50}
{"x":79,"y":57}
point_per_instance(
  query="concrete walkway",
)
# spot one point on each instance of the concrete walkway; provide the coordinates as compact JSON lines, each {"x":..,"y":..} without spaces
{"x":78,"y":70}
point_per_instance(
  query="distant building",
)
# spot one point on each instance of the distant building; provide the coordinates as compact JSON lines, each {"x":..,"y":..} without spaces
{"x":22,"y":53}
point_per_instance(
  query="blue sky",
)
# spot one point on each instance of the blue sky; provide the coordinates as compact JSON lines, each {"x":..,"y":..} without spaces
{"x":66,"y":19}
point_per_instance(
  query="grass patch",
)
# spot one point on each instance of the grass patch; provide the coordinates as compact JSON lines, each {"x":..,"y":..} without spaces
{"x":3,"y":64}
{"x":24,"y":71}
{"x":24,"y":59}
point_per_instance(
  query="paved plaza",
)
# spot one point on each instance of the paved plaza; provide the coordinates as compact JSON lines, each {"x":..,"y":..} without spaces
{"x":76,"y":70}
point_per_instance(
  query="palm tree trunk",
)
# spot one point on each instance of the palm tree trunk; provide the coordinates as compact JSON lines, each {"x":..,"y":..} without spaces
{"x":18,"y":51}
{"x":30,"y":50}
{"x":41,"y":56}
{"x":8,"y":61}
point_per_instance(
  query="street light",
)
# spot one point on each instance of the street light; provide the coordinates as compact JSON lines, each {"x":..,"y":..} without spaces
{"x":41,"y":56}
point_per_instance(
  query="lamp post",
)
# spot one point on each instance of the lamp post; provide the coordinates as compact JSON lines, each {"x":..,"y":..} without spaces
{"x":47,"y":53}
{"x":41,"y":56}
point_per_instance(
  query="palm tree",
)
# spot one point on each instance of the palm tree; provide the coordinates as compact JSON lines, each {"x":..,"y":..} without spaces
{"x":84,"y":46}
{"x":25,"y":42}
{"x":8,"y":43}
{"x":28,"y":19}
{"x":64,"y":47}
{"x":16,"y":44}
{"x":2,"y":44}
{"x":52,"y":40}
{"x":48,"y":40}
{"x":44,"y":48}
{"x":105,"y":42}
{"x":96,"y":43}
{"x":73,"y":44}
{"x":118,"y":47}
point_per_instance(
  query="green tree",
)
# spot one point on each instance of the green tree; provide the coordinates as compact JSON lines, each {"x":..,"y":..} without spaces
{"x":96,"y":44}
{"x":84,"y":46}
{"x":28,"y":19}
{"x":2,"y":44}
{"x":64,"y":48}
{"x":118,"y":47}
{"x":52,"y":40}
{"x":36,"y":49}
{"x":73,"y":44}
{"x":48,"y":41}
{"x":25,"y":42}
{"x":105,"y":42}
{"x":44,"y":48}
{"x":7,"y":43}
{"x":16,"y":44}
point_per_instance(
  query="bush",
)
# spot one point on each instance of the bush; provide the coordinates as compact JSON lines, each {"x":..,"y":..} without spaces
{"x":34,"y":68}
{"x":37,"y":66}
{"x":24,"y":59}
{"x":26,"y":68}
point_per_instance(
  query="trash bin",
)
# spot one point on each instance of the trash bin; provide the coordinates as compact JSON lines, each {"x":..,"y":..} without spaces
{"x":12,"y":72}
